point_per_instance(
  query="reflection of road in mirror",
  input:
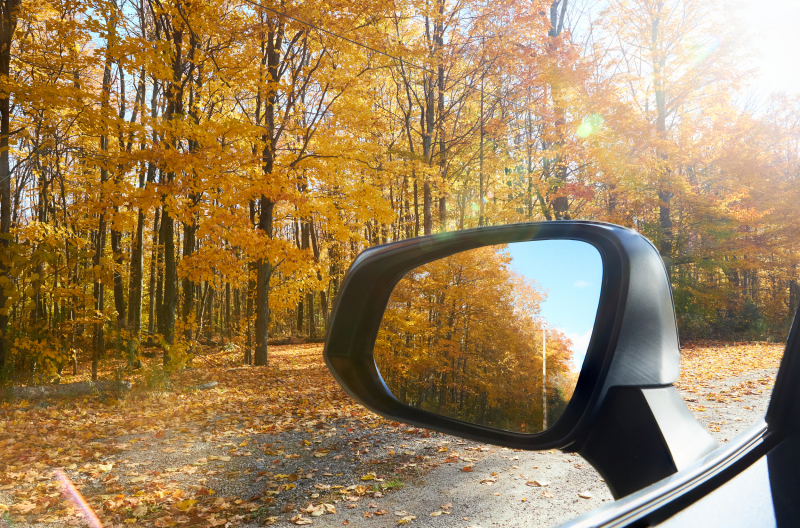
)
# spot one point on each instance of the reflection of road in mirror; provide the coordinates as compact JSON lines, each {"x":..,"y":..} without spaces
{"x":462,"y":336}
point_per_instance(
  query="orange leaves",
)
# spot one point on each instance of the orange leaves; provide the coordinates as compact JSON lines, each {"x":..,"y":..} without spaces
{"x":703,"y":363}
{"x":200,"y":438}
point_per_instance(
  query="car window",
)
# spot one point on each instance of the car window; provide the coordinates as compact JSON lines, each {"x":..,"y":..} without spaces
{"x":184,"y":185}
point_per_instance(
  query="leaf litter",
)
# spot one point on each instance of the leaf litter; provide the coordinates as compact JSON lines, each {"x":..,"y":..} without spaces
{"x":282,"y":443}
{"x":266,"y":444}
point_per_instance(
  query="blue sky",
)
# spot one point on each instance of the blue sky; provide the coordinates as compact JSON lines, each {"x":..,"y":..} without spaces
{"x":571,"y":274}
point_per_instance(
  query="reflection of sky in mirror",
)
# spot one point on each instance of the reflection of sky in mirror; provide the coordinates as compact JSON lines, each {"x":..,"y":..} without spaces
{"x":571,"y":273}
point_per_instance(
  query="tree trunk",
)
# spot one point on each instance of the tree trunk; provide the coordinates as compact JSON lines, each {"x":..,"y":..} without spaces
{"x":427,"y":138}
{"x":665,"y":222}
{"x":264,"y":274}
{"x":167,"y":321}
{"x":98,"y":340}
{"x":272,"y":47}
{"x":209,"y":318}
{"x":439,"y":40}
{"x":8,"y":26}
{"x":300,"y":318}
{"x":189,"y":242}
{"x":227,"y":329}
{"x":312,"y":331}
{"x":249,"y":309}
{"x":323,"y":301}
{"x":416,"y":208}
{"x":134,"y":322}
{"x":152,"y":289}
{"x":481,"y":190}
{"x":426,"y":199}
{"x":237,"y":310}
{"x":135,"y":291}
{"x":119,"y":262}
{"x":662,"y":168}
{"x":174,"y":108}
{"x":558,"y":166}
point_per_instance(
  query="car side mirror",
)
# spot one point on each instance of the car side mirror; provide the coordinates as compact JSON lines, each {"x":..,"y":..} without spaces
{"x":451,"y":332}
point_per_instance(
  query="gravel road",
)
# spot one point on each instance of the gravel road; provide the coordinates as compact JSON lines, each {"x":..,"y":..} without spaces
{"x":326,"y":472}
{"x":496,"y":492}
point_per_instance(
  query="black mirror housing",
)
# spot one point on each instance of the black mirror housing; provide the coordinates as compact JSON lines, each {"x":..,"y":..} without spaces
{"x":634,"y":343}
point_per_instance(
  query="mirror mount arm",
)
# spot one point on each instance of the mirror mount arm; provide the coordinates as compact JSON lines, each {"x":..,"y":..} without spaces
{"x":642,"y":435}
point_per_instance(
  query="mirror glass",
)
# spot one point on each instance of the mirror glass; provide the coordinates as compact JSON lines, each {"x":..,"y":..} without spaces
{"x":487,"y":335}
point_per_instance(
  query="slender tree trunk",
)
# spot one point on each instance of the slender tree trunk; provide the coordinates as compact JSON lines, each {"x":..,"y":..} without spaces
{"x":154,"y":258}
{"x":189,"y":243}
{"x":98,"y":341}
{"x":665,"y":222}
{"x":116,"y":235}
{"x":160,"y":277}
{"x":119,"y":262}
{"x":8,"y":25}
{"x":300,"y":318}
{"x":312,"y":331}
{"x":426,"y":199}
{"x":664,"y":194}
{"x":237,"y":310}
{"x":136,"y":281}
{"x":557,"y":167}
{"x":272,"y":47}
{"x":134,"y":322}
{"x":427,"y":138}
{"x":249,"y":310}
{"x":529,"y":163}
{"x":227,"y":328}
{"x":439,"y":40}
{"x":98,"y":338}
{"x":167,"y":321}
{"x":416,"y":208}
{"x":174,"y":108}
{"x":155,"y":252}
{"x":264,"y":274}
{"x":323,"y":301}
{"x":210,"y":294}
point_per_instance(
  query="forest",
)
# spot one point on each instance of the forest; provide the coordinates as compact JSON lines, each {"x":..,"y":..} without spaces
{"x":462,"y":337}
{"x":175,"y":172}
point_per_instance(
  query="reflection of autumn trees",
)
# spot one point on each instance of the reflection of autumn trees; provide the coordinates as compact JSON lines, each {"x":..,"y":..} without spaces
{"x":462,"y":337}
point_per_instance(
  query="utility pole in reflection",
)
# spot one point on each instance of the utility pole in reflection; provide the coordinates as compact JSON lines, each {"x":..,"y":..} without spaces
{"x":544,"y":379}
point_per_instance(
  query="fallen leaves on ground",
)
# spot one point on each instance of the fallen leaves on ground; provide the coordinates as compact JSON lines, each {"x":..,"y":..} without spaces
{"x":158,"y":458}
{"x":705,"y":362}
{"x":254,"y":445}
{"x":537,"y":483}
